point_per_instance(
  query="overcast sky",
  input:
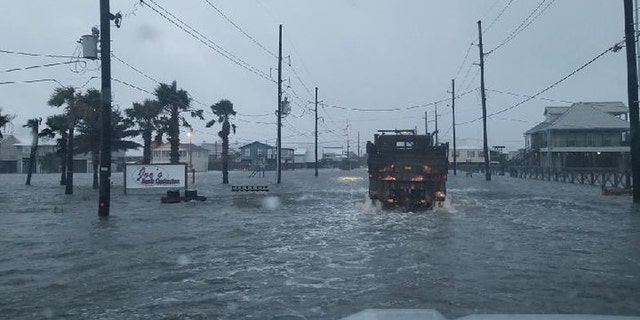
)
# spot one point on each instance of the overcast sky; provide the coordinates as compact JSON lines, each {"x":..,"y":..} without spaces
{"x":361,"y":54}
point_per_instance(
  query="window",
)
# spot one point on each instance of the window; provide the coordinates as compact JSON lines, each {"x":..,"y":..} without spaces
{"x":247,"y":152}
{"x":404,"y":145}
{"x":471,"y":154}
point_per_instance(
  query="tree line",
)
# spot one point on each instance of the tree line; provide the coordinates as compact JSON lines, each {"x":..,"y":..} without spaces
{"x":77,"y":129}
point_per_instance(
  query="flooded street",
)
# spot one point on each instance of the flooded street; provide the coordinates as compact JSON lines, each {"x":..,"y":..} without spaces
{"x":314,"y":248}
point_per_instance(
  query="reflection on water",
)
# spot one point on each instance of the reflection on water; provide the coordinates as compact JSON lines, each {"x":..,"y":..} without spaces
{"x":314,"y":248}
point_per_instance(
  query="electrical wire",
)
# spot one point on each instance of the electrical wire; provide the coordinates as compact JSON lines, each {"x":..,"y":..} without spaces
{"x":39,"y":66}
{"x":134,"y":68}
{"x":32,"y":81}
{"x":396,"y":109}
{"x":295,"y":73}
{"x":133,"y":86}
{"x":529,"y":98}
{"x":466,"y":55}
{"x":241,"y":30}
{"x":497,"y":17}
{"x":31,"y":54}
{"x":206,"y":41}
{"x":524,"y":25}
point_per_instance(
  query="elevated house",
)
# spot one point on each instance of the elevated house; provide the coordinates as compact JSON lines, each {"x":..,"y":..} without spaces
{"x":189,"y":153}
{"x":258,"y":155}
{"x":583,"y":135}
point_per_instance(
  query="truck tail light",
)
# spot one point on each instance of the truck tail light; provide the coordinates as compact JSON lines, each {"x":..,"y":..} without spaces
{"x":445,"y":177}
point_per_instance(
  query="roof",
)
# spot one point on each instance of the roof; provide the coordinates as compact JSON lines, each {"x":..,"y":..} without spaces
{"x":182,"y":146}
{"x":256,"y":142}
{"x":555,"y":110}
{"x":11,"y":139}
{"x":615,"y":107}
{"x":585,"y":116}
{"x":539,"y":127}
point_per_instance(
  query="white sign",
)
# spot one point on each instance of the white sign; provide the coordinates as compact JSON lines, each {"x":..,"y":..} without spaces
{"x":155,"y":176}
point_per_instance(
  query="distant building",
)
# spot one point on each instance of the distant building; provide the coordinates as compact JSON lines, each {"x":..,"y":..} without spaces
{"x":8,"y":154}
{"x":199,"y":155}
{"x":215,"y":149}
{"x":583,"y":135}
{"x":15,"y":157}
{"x":467,"y":155}
{"x":23,"y":151}
{"x":257,"y":155}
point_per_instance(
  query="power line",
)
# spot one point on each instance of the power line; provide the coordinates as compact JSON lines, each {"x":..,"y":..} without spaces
{"x":466,"y":55}
{"x":241,"y":30}
{"x":614,"y":48}
{"x":31,"y":54}
{"x":299,"y":79}
{"x":133,"y":86}
{"x":497,"y":17}
{"x":152,"y":78}
{"x":527,"y":96}
{"x":40,"y":66}
{"x":209,"y":43}
{"x":395,"y":109}
{"x":33,"y":81}
{"x":524,"y":25}
{"x":134,"y":68}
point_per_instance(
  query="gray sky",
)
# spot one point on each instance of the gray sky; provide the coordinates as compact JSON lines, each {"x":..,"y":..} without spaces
{"x":361,"y":54}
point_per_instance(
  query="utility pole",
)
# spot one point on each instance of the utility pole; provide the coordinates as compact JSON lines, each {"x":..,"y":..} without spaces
{"x":348,"y":155}
{"x":453,"y":115}
{"x":484,"y":106}
{"x":426,"y":126}
{"x":279,"y":143}
{"x":632,"y":88}
{"x":436,"y":117}
{"x":104,"y":199}
{"x":316,"y":174}
{"x":358,"y":145}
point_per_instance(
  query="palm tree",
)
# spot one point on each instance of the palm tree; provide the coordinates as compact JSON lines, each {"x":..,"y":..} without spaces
{"x":89,"y":133}
{"x":34,"y":124}
{"x":57,"y":124}
{"x":89,"y":124}
{"x":146,"y":116}
{"x":224,"y":110}
{"x":5,"y":119}
{"x":67,"y":96}
{"x":174,"y":102}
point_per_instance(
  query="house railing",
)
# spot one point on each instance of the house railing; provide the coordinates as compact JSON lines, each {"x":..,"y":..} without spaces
{"x":603,"y":177}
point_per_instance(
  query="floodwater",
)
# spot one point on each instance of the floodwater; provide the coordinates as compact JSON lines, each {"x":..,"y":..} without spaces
{"x":314,"y":248}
